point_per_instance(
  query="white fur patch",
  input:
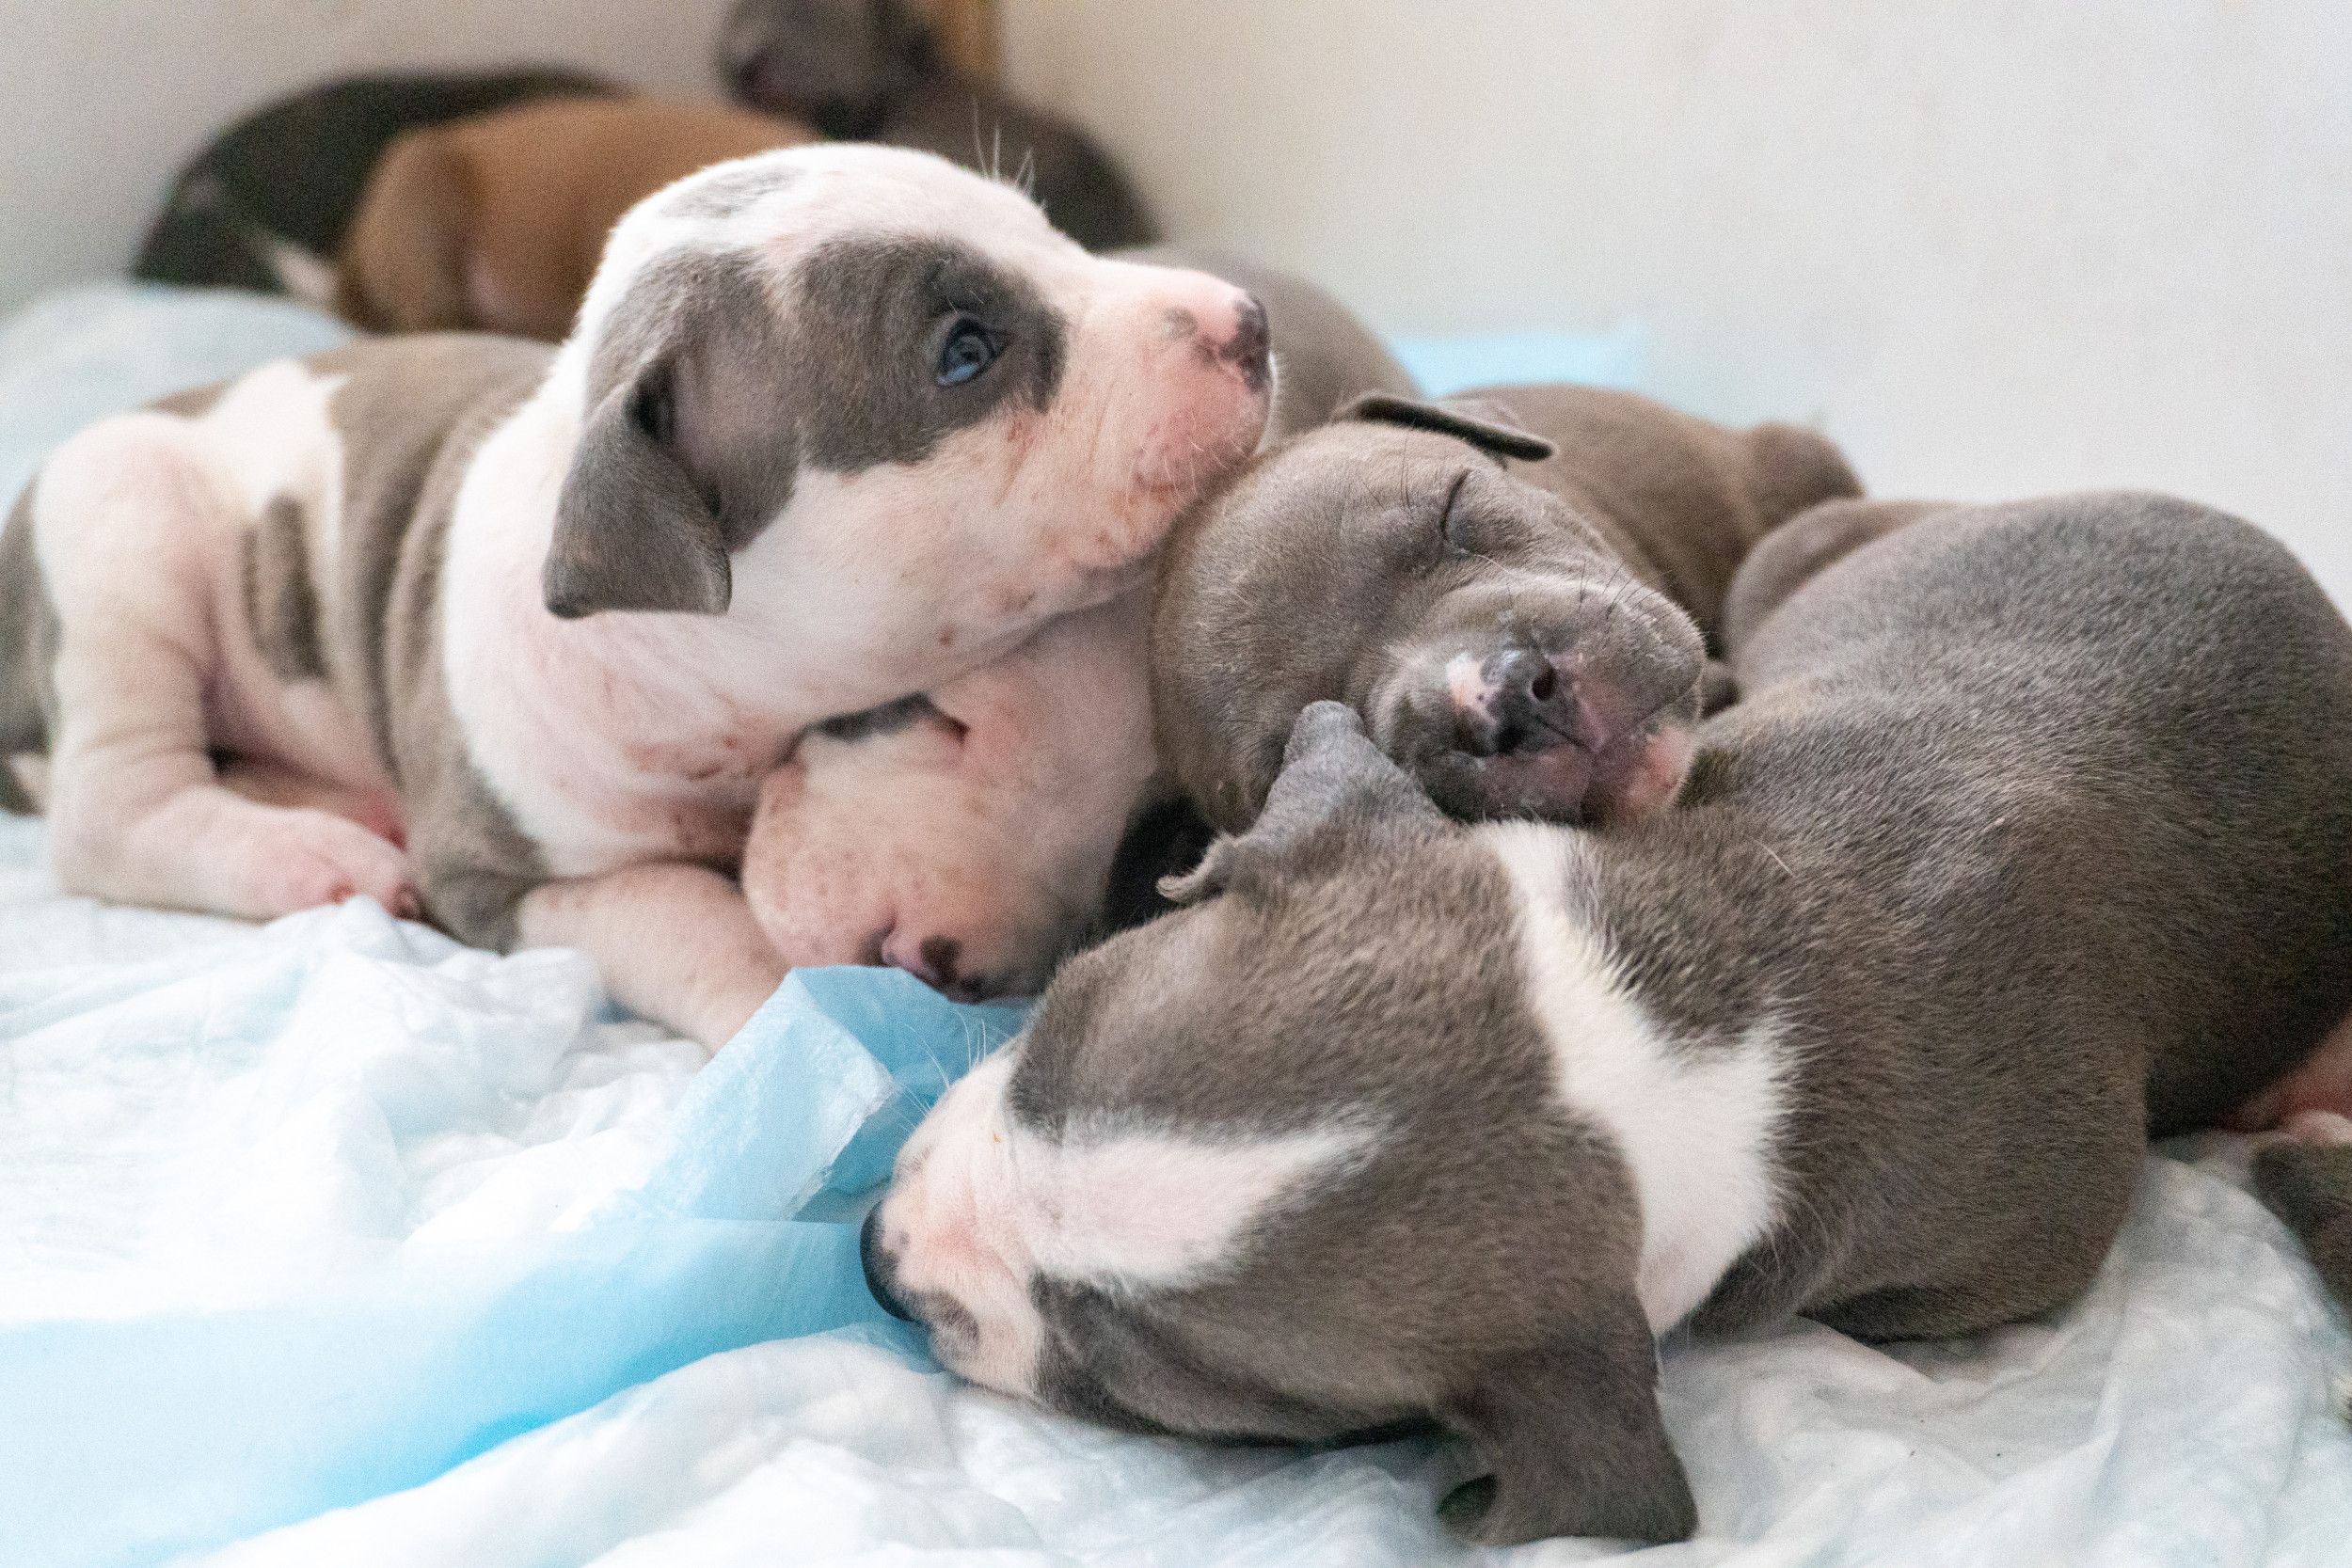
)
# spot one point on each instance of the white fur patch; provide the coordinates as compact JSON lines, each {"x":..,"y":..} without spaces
{"x":982,"y":1206}
{"x":1694,"y":1123}
{"x":1128,"y":1206}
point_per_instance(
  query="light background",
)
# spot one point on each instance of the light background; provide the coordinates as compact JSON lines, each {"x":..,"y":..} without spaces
{"x":1994,"y":248}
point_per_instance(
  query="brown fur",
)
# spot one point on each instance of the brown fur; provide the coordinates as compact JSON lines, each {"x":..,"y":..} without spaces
{"x":498,"y":222}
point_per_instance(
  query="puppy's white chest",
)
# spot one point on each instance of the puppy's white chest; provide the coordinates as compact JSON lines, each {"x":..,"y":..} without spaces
{"x":1693,"y":1121}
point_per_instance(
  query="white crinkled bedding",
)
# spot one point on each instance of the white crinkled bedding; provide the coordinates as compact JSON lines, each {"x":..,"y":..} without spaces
{"x":266,"y":1192}
{"x":334,"y":1243}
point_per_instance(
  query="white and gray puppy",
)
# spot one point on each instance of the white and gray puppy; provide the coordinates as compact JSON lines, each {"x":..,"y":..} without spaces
{"x":975,"y":826}
{"x":2029,"y":838}
{"x":837,"y":423}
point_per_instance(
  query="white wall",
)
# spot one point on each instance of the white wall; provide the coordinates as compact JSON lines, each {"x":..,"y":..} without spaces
{"x":1995,"y":247}
{"x":102,"y":101}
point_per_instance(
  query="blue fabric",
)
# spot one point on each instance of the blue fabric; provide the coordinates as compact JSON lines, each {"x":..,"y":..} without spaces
{"x":74,"y":357}
{"x":1444,"y":366}
{"x":129,"y":1439}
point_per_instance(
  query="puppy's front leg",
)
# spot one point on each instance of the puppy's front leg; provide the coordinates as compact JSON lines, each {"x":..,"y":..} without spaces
{"x":676,"y":942}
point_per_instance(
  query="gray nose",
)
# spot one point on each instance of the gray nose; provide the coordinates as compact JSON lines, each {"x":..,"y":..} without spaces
{"x":1532,"y":707}
{"x":882,"y":1274}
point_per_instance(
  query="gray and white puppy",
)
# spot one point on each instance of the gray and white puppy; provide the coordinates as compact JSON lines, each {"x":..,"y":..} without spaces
{"x":1527,"y":640}
{"x":2028,"y":837}
{"x":1012,"y":787}
{"x":837,"y":423}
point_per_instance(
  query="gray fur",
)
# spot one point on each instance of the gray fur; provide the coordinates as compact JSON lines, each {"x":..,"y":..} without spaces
{"x":1347,"y":563}
{"x":1801,"y":549}
{"x":413,"y":410}
{"x":281,"y":602}
{"x":2027,"y":837}
{"x":723,"y":196}
{"x":28,"y":654}
{"x":705,"y":398}
{"x":2310,"y":1187}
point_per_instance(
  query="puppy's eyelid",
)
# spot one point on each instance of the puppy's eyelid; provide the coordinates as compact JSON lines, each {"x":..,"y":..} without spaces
{"x":1445,"y":514}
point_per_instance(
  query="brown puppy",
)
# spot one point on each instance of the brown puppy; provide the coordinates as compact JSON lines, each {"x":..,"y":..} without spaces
{"x":496,"y":222}
{"x":1527,"y":641}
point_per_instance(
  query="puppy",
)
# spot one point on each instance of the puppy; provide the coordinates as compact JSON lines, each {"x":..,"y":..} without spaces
{"x":872,"y":71}
{"x":2027,"y":837}
{"x":838,"y":423}
{"x":1527,"y":641}
{"x":967,"y":835}
{"x":268,"y":204}
{"x":494,"y":222}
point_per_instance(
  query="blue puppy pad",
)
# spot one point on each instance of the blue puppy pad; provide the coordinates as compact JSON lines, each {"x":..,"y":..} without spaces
{"x":132,"y":1437}
{"x":1617,"y":360}
{"x":73,"y":358}
{"x":811,"y":1101}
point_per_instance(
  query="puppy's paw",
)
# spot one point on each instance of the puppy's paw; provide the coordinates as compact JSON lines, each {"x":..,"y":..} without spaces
{"x":306,"y":858}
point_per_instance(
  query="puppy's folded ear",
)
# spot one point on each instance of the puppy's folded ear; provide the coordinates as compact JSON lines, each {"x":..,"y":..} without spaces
{"x":631,"y":530}
{"x":1332,"y":774}
{"x":1574,"y":1438}
{"x":1486,"y":425}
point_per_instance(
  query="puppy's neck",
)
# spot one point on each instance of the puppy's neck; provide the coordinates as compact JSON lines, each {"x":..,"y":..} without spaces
{"x":1695,"y":1114}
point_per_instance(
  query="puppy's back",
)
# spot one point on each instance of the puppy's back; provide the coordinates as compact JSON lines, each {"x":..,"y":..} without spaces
{"x":2181,"y":676}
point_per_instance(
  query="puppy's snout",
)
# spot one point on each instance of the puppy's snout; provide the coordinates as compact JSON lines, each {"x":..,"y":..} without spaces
{"x":1518,"y":700}
{"x":882,"y":1269}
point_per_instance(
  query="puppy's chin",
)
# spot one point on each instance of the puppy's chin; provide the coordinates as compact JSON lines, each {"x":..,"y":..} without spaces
{"x":1627,"y":780}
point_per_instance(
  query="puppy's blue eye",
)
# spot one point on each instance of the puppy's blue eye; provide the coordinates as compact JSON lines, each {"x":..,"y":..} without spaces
{"x":968,"y":351}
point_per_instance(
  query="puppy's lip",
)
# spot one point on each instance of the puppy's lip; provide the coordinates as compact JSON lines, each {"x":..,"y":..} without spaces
{"x":1568,"y":781}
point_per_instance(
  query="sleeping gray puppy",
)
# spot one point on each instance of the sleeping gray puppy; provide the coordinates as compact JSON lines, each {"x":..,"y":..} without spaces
{"x":1527,"y":639}
{"x":2028,"y":837}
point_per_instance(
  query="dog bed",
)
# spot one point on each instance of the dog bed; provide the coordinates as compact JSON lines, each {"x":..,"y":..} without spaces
{"x":331,"y":1240}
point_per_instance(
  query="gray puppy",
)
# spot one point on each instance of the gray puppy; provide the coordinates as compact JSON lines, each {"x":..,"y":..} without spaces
{"x":2027,"y":838}
{"x":1526,"y":640}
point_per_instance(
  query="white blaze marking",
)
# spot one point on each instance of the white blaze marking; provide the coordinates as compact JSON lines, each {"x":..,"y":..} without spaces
{"x":1694,"y":1126}
{"x":982,"y":1206}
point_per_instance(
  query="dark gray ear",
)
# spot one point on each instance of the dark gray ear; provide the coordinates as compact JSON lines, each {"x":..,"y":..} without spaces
{"x":1574,"y":1438}
{"x":1330,"y":771}
{"x":1489,"y":426}
{"x":631,"y":530}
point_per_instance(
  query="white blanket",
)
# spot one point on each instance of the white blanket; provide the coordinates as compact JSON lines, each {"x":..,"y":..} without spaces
{"x":273,"y":1195}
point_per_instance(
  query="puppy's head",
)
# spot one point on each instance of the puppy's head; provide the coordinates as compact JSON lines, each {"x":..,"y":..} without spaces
{"x":838,"y":64}
{"x":834,"y":387}
{"x":1497,"y":648}
{"x":1251,"y":1176}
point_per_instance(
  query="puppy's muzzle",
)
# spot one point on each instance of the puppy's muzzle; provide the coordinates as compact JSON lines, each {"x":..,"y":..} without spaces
{"x":1523,"y":702}
{"x":882,"y":1269}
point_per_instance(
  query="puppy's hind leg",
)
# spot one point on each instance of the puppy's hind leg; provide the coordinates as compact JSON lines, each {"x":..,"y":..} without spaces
{"x":129,"y":523}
